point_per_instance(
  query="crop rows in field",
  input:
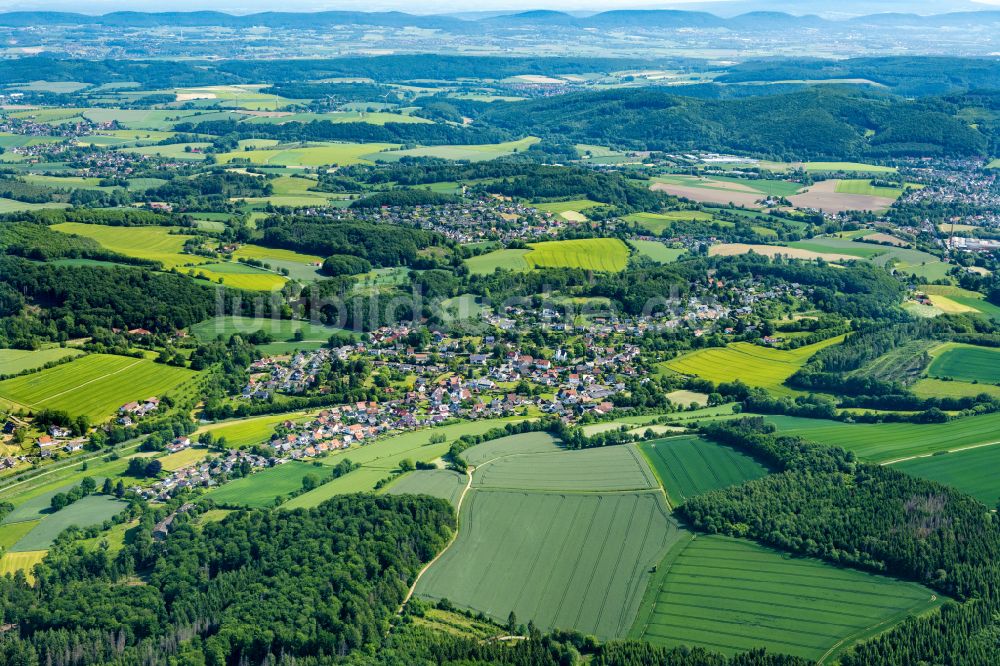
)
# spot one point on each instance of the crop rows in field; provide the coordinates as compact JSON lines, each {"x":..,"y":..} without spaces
{"x":591,"y":470}
{"x":730,"y":595}
{"x":973,"y":471}
{"x":524,"y":443}
{"x":765,"y":367}
{"x":95,"y":385}
{"x":152,"y":243}
{"x":597,"y":254}
{"x":689,"y":465}
{"x":562,"y":560}
{"x":967,"y":364}
{"x":882,"y":442}
{"x":85,"y":512}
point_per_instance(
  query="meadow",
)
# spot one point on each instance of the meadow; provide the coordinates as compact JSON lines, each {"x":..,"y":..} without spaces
{"x":847,"y":166}
{"x":966,"y":363}
{"x":765,"y":367}
{"x":444,"y":483}
{"x":597,"y":254}
{"x":567,"y":560}
{"x":152,"y":243}
{"x":260,"y":489}
{"x":657,"y":251}
{"x":730,"y":595}
{"x":928,"y":387}
{"x":95,"y":385}
{"x":864,"y":187}
{"x":90,"y":510}
{"x":13,"y":361}
{"x":380,"y":459}
{"x":883,"y":442}
{"x":972,"y":471}
{"x":689,"y":466}
{"x":302,"y":267}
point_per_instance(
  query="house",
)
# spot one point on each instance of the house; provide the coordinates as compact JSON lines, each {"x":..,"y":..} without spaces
{"x":45,"y":445}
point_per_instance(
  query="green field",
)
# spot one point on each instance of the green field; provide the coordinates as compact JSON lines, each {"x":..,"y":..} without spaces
{"x":241,"y":276}
{"x":13,"y":562}
{"x":847,"y":166}
{"x":11,"y":533}
{"x":13,"y":361}
{"x":153,"y":243}
{"x":656,"y":223}
{"x":279,"y":329}
{"x":731,"y":595}
{"x":882,"y":442}
{"x":95,"y":385}
{"x":563,"y":538}
{"x":247,"y":432}
{"x":472,"y":153}
{"x":90,"y":510}
{"x":964,"y":363}
{"x":598,"y":254}
{"x":444,"y":483}
{"x":524,"y":443}
{"x":657,"y":251}
{"x":261,"y":488}
{"x":765,"y":367}
{"x":689,"y":465}
{"x":972,"y":471}
{"x":568,"y":560}
{"x":508,"y":260}
{"x":313,"y":154}
{"x":929,"y":387}
{"x":561,"y":207}
{"x":303,"y":267}
{"x":612,"y":468}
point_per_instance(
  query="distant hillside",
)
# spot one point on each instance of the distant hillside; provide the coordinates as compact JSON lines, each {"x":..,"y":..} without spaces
{"x":801,"y":125}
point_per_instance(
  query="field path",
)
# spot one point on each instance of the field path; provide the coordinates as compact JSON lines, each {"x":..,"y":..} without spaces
{"x":929,"y":455}
{"x":454,"y":536}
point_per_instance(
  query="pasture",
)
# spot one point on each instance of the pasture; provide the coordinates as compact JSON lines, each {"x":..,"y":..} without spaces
{"x":581,"y":561}
{"x":967,"y":363}
{"x":87,"y":511}
{"x":657,"y":251}
{"x":928,"y":387}
{"x":883,"y":442}
{"x":765,"y":367}
{"x":152,"y":243}
{"x":444,"y":483}
{"x":689,"y":465}
{"x":972,"y":471}
{"x":730,"y":595}
{"x":597,"y":254}
{"x":260,"y":489}
{"x":13,"y":361}
{"x":95,"y":385}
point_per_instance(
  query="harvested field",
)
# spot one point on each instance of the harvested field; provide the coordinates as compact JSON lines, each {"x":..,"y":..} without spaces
{"x":730,"y":249}
{"x":825,"y":197}
{"x":746,"y":199}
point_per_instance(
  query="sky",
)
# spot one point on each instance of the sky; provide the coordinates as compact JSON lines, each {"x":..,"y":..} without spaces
{"x":409,"y":6}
